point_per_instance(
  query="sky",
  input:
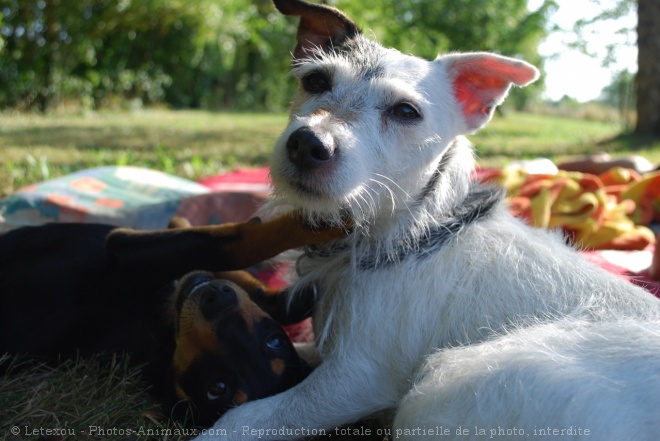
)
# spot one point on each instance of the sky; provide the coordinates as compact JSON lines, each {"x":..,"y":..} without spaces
{"x":569,"y":72}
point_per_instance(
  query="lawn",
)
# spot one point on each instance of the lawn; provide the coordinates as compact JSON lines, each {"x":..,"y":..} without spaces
{"x":186,"y":143}
{"x":90,"y":399}
{"x":194,"y":144}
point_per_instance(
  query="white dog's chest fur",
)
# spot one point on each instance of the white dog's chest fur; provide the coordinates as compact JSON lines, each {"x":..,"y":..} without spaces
{"x":493,"y":277}
{"x":505,"y":294}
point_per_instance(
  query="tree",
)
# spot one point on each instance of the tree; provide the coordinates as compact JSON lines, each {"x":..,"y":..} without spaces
{"x":202,"y":53}
{"x":91,"y":48}
{"x":648,"y":74}
{"x":647,"y":90}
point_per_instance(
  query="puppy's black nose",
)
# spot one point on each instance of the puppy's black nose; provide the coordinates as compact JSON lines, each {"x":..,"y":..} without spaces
{"x":217,"y":296}
{"x":307,"y":150}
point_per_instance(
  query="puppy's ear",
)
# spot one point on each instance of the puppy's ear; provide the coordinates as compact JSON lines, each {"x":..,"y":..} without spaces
{"x":321,"y":26}
{"x":482,"y":80}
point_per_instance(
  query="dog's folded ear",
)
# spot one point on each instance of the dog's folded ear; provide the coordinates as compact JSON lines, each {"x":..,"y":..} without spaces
{"x":321,"y":26}
{"x":482,"y":80}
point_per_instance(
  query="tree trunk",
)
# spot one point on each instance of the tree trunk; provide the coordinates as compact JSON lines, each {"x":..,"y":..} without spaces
{"x":648,"y":75}
{"x":49,"y":90}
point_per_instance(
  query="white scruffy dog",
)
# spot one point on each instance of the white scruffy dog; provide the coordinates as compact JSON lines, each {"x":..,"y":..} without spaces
{"x":440,"y":305}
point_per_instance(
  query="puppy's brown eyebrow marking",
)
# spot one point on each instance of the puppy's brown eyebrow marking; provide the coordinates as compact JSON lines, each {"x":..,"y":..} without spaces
{"x":250,"y":313}
{"x":240,"y":398}
{"x":190,"y":345}
{"x":277,"y":365}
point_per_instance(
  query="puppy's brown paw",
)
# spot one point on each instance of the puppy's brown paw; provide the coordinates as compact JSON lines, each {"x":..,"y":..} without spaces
{"x":179,"y":222}
{"x":321,"y":231}
{"x":347,"y":223}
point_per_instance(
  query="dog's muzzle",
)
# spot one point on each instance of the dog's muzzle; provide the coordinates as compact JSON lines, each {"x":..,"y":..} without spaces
{"x":308,"y":149}
{"x":211,"y":295}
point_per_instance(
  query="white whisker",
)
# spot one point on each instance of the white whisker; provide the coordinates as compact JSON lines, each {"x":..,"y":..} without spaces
{"x":393,"y":182}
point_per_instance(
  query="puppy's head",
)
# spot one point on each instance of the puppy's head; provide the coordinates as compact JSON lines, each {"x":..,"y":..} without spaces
{"x":369,"y":125}
{"x":228,"y":351}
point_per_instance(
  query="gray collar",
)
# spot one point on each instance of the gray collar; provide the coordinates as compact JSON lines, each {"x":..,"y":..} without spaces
{"x":478,"y":205}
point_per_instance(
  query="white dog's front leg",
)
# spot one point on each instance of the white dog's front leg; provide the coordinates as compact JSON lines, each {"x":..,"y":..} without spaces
{"x":307,"y":351}
{"x":334,"y":394}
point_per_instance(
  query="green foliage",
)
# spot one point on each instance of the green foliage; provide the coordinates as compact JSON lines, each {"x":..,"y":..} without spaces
{"x":428,"y":27}
{"x":620,"y":94}
{"x":611,"y":13}
{"x":217,"y":53}
{"x":96,"y":49}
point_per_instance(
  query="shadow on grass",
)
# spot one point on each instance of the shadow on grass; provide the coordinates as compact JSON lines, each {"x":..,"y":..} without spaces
{"x":133,"y":138}
{"x":93,"y":399}
{"x":554,"y":152}
{"x":623,"y":144}
{"x":630,"y":142}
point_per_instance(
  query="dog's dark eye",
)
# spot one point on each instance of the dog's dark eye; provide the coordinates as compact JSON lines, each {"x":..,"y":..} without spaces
{"x":275,"y":342}
{"x":216,"y":390}
{"x":405,"y":111}
{"x":316,"y":82}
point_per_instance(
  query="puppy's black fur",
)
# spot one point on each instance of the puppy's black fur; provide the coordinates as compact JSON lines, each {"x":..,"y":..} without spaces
{"x":63,"y":295}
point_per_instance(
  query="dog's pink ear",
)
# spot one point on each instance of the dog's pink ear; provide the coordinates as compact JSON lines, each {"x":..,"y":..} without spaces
{"x":482,"y":80}
{"x":321,"y":26}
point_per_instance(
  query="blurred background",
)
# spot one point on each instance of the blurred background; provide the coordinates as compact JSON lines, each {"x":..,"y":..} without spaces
{"x":234,"y":54}
{"x":82,"y":58}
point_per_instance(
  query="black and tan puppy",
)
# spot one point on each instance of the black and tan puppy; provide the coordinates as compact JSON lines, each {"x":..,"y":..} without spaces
{"x":227,"y":349}
{"x":201,"y":337}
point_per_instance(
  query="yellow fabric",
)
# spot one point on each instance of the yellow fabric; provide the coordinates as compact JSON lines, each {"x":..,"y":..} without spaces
{"x":597,"y":212}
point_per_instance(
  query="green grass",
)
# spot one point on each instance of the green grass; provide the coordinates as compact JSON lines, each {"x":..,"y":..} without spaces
{"x":89,"y":399}
{"x":526,"y":136}
{"x":186,"y":143}
{"x":195,"y":144}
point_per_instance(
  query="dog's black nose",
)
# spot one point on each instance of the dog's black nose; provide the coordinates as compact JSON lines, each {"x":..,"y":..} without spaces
{"x":307,"y":150}
{"x":216,"y":297}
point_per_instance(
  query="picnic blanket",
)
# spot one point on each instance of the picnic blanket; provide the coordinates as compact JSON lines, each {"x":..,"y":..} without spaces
{"x":608,"y":211}
{"x":135,"y":197}
{"x":601,"y":213}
